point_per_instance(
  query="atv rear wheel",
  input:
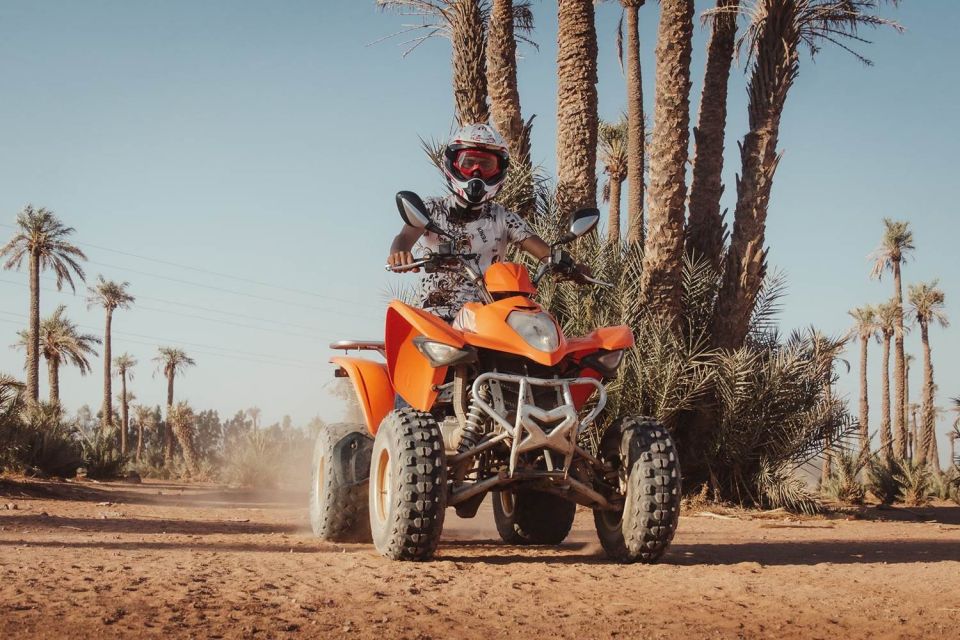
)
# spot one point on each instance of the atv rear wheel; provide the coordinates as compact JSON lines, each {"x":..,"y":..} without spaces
{"x":525,"y":516}
{"x":408,"y":486}
{"x":642,"y":452}
{"x":338,"y":490}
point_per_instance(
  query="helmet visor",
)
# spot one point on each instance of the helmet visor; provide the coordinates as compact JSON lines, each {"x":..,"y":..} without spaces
{"x":476,"y":163}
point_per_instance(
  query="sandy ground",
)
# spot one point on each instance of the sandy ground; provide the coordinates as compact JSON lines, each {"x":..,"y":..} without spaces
{"x":179,"y":561}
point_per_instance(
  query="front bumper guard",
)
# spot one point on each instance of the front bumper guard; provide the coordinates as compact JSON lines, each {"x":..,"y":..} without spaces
{"x":527,"y":433}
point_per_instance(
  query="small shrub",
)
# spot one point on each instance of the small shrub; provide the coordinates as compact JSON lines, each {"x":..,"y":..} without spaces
{"x":843,"y":485}
{"x":883,"y":479}
{"x":253,"y":461}
{"x":39,"y":440}
{"x":101,"y":455}
{"x":916,"y":482}
{"x":946,"y":486}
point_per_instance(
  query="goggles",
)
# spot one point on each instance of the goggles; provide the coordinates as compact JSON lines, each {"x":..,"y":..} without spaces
{"x":473,"y":163}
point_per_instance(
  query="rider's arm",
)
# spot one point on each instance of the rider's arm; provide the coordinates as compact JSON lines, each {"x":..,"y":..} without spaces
{"x":401,"y":246}
{"x":536,"y":247}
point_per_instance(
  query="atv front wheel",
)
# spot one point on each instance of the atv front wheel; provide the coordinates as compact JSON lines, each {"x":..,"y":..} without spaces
{"x":338,"y":490}
{"x":642,"y":452}
{"x":525,"y":516}
{"x":408,"y":486}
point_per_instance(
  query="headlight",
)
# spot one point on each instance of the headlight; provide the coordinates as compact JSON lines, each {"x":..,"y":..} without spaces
{"x":537,"y":330}
{"x":443,"y":355}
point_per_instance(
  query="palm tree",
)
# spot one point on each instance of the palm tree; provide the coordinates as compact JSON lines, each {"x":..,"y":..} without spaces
{"x":907,"y":363}
{"x":463,"y":22}
{"x":110,"y":295}
{"x":254,"y":413}
{"x":612,"y":155}
{"x":144,"y":419}
{"x":182,"y":419}
{"x":705,"y":227}
{"x":776,"y":31}
{"x":577,"y":120}
{"x":170,"y":362}
{"x":506,"y":18}
{"x":636,"y":133}
{"x":61,"y":342}
{"x":926,"y":307}
{"x":887,"y":326}
{"x":42,"y":239}
{"x":661,"y":281}
{"x":826,"y":353}
{"x":124,"y":364}
{"x":865,"y":327}
{"x":894,"y":248}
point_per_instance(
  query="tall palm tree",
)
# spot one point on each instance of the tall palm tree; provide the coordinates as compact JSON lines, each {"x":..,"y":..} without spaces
{"x":636,"y":130}
{"x":865,"y":327}
{"x":612,"y":154}
{"x":110,"y":295}
{"x":894,"y":249}
{"x":774,"y":35}
{"x":887,"y":326}
{"x":506,"y":19}
{"x":907,"y":363}
{"x":705,"y":227}
{"x":143,"y":415}
{"x":42,"y":240}
{"x":826,"y":353}
{"x":170,"y":362}
{"x":254,"y":413}
{"x":463,"y":22}
{"x":661,"y":280}
{"x":61,"y":342}
{"x":926,"y":307}
{"x":124,"y":364}
{"x":577,"y":120}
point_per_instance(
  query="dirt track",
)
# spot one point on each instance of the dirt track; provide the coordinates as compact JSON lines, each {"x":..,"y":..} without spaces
{"x":169,"y":560}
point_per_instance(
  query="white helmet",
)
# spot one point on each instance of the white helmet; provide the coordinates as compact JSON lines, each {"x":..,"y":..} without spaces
{"x":475,"y":163}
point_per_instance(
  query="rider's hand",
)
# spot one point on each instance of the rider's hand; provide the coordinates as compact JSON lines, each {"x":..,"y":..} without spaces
{"x":401,"y":258}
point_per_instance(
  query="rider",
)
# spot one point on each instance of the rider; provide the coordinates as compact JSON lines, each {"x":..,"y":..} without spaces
{"x":475,"y":163}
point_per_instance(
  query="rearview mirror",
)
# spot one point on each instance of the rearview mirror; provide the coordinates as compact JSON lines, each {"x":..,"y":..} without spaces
{"x":412,"y":210}
{"x":582,"y":222}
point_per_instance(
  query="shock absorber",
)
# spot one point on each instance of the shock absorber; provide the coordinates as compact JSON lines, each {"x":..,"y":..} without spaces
{"x":473,"y":429}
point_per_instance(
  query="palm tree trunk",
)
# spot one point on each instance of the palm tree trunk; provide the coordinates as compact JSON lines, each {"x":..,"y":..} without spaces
{"x":577,"y":118}
{"x":899,"y":371}
{"x":636,"y":135}
{"x":107,"y":410}
{"x":139,"y":439}
{"x":33,"y":346}
{"x":502,"y":76}
{"x":914,"y":435}
{"x":926,"y":413}
{"x":705,"y":228}
{"x":505,"y":111}
{"x":934,"y":450}
{"x":613,"y":224}
{"x":53,"y":377}
{"x":124,"y":423}
{"x":168,"y":428}
{"x":885,"y":436}
{"x":468,"y":36}
{"x":827,"y":452}
{"x":774,"y":71}
{"x":660,"y":283}
{"x":906,"y":409}
{"x":864,"y":403}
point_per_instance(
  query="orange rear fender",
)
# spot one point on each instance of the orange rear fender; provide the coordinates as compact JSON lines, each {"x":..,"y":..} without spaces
{"x":372,"y":386}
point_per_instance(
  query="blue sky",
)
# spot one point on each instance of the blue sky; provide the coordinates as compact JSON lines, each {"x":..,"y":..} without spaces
{"x":187,"y":141}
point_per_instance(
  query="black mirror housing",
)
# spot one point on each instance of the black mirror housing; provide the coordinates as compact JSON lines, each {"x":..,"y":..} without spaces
{"x":413,"y":211}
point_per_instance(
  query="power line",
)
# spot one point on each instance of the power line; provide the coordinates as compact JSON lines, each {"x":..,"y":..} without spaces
{"x":220,"y":274}
{"x":159,"y":340}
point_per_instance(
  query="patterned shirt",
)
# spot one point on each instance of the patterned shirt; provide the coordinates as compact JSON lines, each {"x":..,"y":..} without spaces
{"x":489,"y":234}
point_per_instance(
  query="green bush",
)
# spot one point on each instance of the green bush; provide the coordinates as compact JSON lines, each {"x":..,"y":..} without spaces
{"x":883,"y":479}
{"x":843,"y":484}
{"x":35,"y":440}
{"x":101,"y":455}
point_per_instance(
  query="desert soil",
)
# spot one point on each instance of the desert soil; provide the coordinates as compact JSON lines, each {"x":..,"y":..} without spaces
{"x":173,"y":560}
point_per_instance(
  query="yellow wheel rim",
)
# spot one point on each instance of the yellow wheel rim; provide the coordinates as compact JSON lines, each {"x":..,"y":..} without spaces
{"x":382,"y":487}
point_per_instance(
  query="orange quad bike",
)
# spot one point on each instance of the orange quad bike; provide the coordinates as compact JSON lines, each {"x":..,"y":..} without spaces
{"x":500,"y":404}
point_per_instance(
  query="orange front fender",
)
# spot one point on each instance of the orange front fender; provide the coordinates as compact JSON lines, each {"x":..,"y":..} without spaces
{"x":372,"y":386}
{"x":410,"y":371}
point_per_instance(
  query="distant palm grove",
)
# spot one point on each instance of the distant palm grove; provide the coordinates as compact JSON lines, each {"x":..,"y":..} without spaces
{"x":755,"y":414}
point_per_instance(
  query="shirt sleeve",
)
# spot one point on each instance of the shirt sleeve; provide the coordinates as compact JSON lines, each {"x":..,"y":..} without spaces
{"x":517,"y":228}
